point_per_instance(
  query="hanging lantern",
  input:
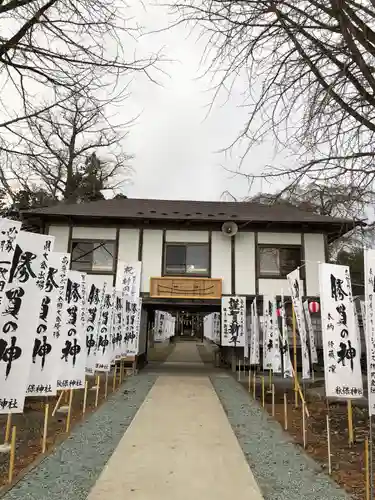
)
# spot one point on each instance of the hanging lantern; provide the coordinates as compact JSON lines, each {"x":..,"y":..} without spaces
{"x":314,"y":307}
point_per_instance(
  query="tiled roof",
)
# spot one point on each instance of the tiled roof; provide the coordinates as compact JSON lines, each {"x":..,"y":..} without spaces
{"x":133,"y":208}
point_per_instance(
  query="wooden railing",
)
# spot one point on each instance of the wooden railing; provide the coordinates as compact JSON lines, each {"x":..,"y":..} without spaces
{"x":185,"y":288}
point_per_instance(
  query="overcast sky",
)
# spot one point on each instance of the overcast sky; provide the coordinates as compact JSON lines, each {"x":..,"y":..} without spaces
{"x":174,"y":144}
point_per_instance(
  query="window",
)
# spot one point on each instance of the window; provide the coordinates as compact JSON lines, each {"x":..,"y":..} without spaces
{"x":278,"y":261}
{"x":93,"y":256}
{"x":190,"y":258}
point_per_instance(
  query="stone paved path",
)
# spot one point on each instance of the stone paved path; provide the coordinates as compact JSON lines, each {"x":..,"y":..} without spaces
{"x":179,"y":446}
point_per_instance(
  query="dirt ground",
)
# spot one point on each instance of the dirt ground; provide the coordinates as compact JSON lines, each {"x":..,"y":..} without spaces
{"x":348,"y":463}
{"x":29,"y":425}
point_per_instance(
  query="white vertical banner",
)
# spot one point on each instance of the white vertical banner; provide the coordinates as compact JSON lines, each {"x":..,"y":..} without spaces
{"x":287,"y":363}
{"x":267,"y":332}
{"x":275,"y":349}
{"x":362,"y":304}
{"x":159,"y":329}
{"x":19,"y":314}
{"x":248,"y":333}
{"x":95,"y":290}
{"x":217,"y":329}
{"x":73,"y":353}
{"x":47,"y":346}
{"x":271,"y":345}
{"x":117,"y":337}
{"x":9,"y":231}
{"x":254,"y":348}
{"x":310,"y":329}
{"x":103,"y":356}
{"x":234,"y":321}
{"x":295,"y":288}
{"x":128,"y":278}
{"x":357,"y":330}
{"x":343,"y":377}
{"x":132,"y":341}
{"x":368,"y":318}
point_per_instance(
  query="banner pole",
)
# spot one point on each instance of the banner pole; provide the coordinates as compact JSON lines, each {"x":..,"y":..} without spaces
{"x":350,"y":423}
{"x":371,"y":459}
{"x":285,"y":411}
{"x":45,"y":428}
{"x":58,"y":403}
{"x":295,"y":358}
{"x":8,"y":428}
{"x":85,"y":397}
{"x":367,"y":474}
{"x":263,"y":402}
{"x":12,"y":455}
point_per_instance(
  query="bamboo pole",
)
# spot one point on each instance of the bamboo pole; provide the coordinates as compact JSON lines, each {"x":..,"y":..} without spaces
{"x":85,"y":397}
{"x":254,"y":384}
{"x":121,"y":370}
{"x":97,"y":391}
{"x":263,"y":397}
{"x":295,"y":358}
{"x":239,"y":370}
{"x":45,"y":428}
{"x":249,"y":380}
{"x":367,"y":470}
{"x":106,"y":386}
{"x":273,"y":400}
{"x":329,"y":445}
{"x":66,"y":397}
{"x":114,"y":379}
{"x":58,"y":403}
{"x":12,"y":455}
{"x":303,"y":424}
{"x":8,"y":428}
{"x":285,"y":412}
{"x":270,"y":380}
{"x":350,"y":423}
{"x":69,"y":411}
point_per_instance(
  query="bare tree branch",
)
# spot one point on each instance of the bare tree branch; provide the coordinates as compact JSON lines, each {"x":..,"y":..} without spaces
{"x":310,"y":66}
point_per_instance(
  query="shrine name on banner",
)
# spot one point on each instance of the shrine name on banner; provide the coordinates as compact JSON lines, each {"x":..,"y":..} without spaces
{"x":233,"y":321}
{"x":19,"y":317}
{"x":342,"y":366}
{"x":368,"y":315}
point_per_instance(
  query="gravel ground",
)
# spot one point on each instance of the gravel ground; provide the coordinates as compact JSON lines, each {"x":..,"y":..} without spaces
{"x":282,"y":469}
{"x":73,"y":468}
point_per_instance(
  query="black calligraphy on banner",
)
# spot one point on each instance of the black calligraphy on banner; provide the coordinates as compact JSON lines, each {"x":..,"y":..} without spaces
{"x":95,"y":294}
{"x":296,"y":291}
{"x":46,"y":351}
{"x":20,"y":312}
{"x":132,"y":341}
{"x":9,"y":231}
{"x":368,"y":317}
{"x":104,"y":352}
{"x":233,"y":321}
{"x":343,"y":375}
{"x":72,"y":352}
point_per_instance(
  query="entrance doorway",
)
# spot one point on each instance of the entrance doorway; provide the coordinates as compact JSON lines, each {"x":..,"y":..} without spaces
{"x":189,"y":325}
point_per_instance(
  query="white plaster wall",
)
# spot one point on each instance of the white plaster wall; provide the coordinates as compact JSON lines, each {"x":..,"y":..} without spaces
{"x":274,"y":287}
{"x":269,"y":238}
{"x":94,"y":233}
{"x":221,"y":259}
{"x":314,"y":253}
{"x":184,"y":236}
{"x":245,"y":263}
{"x":61,"y":234}
{"x":151,"y":256}
{"x":128,"y":244}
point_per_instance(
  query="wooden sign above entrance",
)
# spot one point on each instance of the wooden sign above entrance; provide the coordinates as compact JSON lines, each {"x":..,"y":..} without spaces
{"x":185,"y":288}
